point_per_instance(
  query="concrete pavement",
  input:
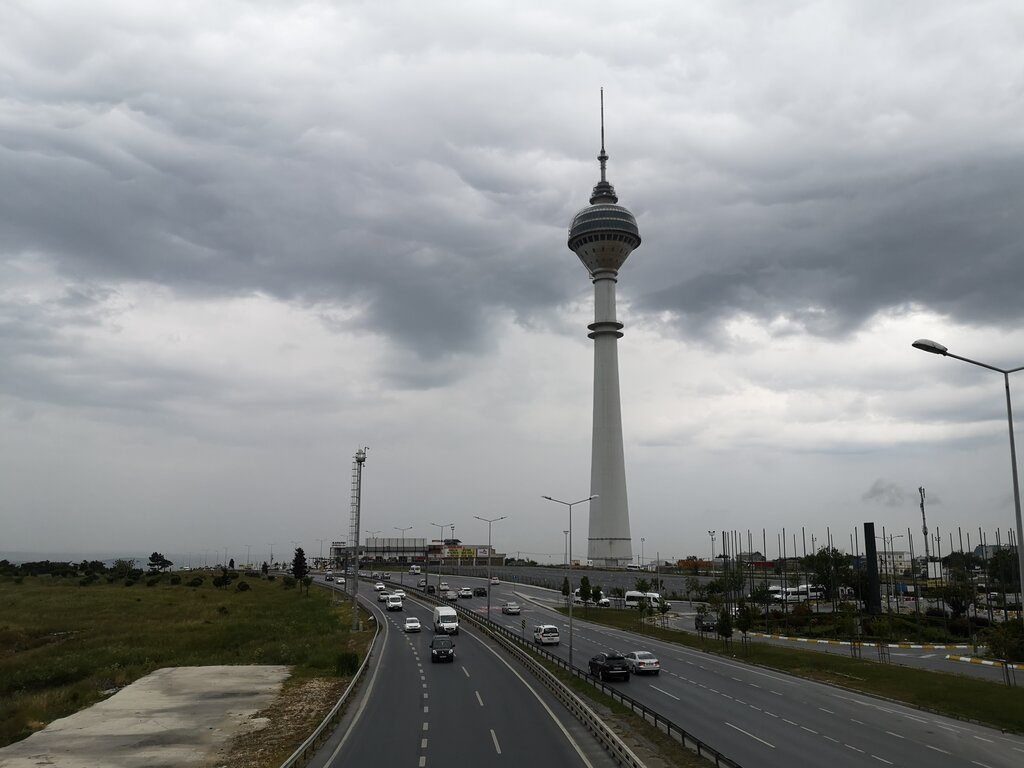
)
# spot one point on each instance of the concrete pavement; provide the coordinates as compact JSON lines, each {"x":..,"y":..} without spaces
{"x":178,"y":716}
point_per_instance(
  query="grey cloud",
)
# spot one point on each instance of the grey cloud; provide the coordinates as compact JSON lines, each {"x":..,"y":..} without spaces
{"x":887,"y":494}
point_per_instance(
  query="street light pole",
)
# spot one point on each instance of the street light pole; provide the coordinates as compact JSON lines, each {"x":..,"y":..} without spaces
{"x":927,"y":345}
{"x":566,"y":548}
{"x":401,"y":574}
{"x":493,"y":520}
{"x":440,"y":556}
{"x":641,"y":563}
{"x":568,"y":577}
{"x":712,"y":535}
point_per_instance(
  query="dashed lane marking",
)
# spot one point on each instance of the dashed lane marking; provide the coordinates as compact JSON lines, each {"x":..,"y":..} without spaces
{"x":747,"y":733}
{"x":659,"y":690}
{"x":478,"y":698}
{"x":494,"y":738}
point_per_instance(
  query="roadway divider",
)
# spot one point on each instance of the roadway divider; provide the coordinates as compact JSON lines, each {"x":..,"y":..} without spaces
{"x":310,"y":745}
{"x":526,"y":653}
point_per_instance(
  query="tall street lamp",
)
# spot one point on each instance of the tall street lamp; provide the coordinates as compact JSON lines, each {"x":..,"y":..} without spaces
{"x":566,"y":548}
{"x":489,"y":558}
{"x":440,"y":555}
{"x":641,"y":563}
{"x":401,"y":573}
{"x":570,"y":505}
{"x":927,"y":345}
{"x":712,"y":535}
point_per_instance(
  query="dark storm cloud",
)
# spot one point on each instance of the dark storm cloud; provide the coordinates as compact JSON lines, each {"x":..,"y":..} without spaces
{"x":947,"y":237}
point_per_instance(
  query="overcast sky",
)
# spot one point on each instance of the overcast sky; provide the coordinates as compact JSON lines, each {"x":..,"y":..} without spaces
{"x":239,"y":240}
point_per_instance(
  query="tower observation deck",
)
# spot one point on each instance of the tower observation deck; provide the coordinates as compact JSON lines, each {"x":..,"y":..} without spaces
{"x":603,"y":235}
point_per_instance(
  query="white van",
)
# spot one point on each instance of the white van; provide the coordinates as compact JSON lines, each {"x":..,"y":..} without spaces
{"x":446,"y":620}
{"x":633,"y":599}
{"x":393,"y":602}
{"x":546,"y":634}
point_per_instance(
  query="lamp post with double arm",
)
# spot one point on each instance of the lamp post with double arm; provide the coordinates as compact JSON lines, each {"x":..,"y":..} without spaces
{"x":570,"y":505}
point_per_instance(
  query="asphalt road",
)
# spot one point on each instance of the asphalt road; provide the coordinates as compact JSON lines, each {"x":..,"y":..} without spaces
{"x":765,"y":718}
{"x":479,"y":710}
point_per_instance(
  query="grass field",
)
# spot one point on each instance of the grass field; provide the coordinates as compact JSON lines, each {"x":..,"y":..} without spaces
{"x":992,"y":703}
{"x":62,"y":646}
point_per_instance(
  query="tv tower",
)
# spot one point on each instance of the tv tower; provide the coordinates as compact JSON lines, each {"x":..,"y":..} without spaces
{"x":602,"y":235}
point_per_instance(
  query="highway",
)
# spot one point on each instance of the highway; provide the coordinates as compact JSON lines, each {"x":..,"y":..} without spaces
{"x":760,"y":717}
{"x":479,"y":710}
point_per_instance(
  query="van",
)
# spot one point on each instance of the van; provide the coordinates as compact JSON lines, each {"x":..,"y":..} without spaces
{"x":393,"y":603}
{"x":414,"y":570}
{"x":632,"y":567}
{"x":446,"y":620}
{"x":546,"y":634}
{"x":634,"y":598}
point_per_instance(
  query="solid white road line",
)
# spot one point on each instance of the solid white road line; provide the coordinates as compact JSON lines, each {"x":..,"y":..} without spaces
{"x":894,"y":734}
{"x":755,"y":738}
{"x":938,"y":750}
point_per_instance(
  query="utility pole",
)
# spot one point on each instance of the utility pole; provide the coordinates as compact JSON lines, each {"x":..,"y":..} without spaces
{"x":357,"y":493}
{"x":924,"y":530}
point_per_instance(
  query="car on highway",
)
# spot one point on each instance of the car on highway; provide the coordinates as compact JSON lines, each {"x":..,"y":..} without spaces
{"x":444,"y":586}
{"x":386,"y":576}
{"x":393,"y":603}
{"x":399,"y":592}
{"x":328,"y":576}
{"x":451,"y":594}
{"x":465,"y":592}
{"x":378,"y":586}
{"x":430,"y":589}
{"x":382,"y":596}
{"x":607,"y":666}
{"x":412,"y":624}
{"x":442,"y":649}
{"x":479,"y":591}
{"x":511,"y":608}
{"x":643,"y":663}
{"x":546,"y":634}
{"x":421,"y":583}
{"x":494,"y":580}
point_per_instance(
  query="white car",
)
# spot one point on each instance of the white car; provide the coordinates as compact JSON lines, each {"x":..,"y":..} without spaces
{"x":421,"y":583}
{"x":451,"y":594}
{"x":399,"y":592}
{"x":412,"y":624}
{"x":379,"y":586}
{"x":546,"y":634}
{"x":465,"y":592}
{"x":382,"y":596}
{"x":444,"y":586}
{"x":643,"y":662}
{"x":494,"y":580}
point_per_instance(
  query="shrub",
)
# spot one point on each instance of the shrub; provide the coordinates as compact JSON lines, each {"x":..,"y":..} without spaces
{"x":196,"y":582}
{"x":129,"y":582}
{"x":175,"y":579}
{"x":242,"y":586}
{"x":346,"y":664}
{"x":153,"y":582}
{"x":289,"y":582}
{"x":271,"y":577}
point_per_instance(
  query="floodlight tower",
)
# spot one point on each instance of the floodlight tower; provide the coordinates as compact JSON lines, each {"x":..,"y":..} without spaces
{"x":602,"y":235}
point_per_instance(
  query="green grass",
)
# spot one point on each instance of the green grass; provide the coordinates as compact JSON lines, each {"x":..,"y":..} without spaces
{"x":965,"y":697}
{"x":63,"y":645}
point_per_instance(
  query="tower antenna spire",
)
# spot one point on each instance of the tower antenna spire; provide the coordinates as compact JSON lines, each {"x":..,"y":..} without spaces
{"x":603,"y":157}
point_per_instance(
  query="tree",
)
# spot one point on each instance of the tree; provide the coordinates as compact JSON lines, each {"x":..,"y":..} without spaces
{"x":122,"y":568}
{"x":158,"y":562}
{"x":692,"y":588}
{"x":745,"y":619}
{"x":829,"y":569}
{"x":724,"y":626}
{"x":231,"y":563}
{"x":1002,"y":570}
{"x":299,"y":567}
{"x":643,"y":585}
{"x":565,"y":588}
{"x":265,"y":568}
{"x":596,"y":593}
{"x":585,"y":590}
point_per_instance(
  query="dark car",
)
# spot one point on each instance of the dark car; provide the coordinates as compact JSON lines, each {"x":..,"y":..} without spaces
{"x":480,"y":591}
{"x":704,"y":623}
{"x":431,"y":589}
{"x":442,"y":649}
{"x":609,"y":665}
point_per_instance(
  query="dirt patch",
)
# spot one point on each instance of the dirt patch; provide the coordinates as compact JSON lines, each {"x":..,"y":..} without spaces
{"x":299,"y":708}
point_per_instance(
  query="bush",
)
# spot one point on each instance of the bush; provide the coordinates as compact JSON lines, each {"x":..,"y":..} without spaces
{"x":129,"y":582}
{"x":175,"y":579}
{"x":242,"y":586}
{"x":196,"y":582}
{"x":346,"y":664}
{"x":271,"y":577}
{"x":289,"y":582}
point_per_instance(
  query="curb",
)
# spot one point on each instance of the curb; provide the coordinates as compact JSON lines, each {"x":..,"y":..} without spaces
{"x":815,"y":641}
{"x":986,"y":662}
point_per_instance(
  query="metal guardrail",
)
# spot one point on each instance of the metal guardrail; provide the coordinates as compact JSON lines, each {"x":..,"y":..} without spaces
{"x":518,"y":646}
{"x":311,"y":744}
